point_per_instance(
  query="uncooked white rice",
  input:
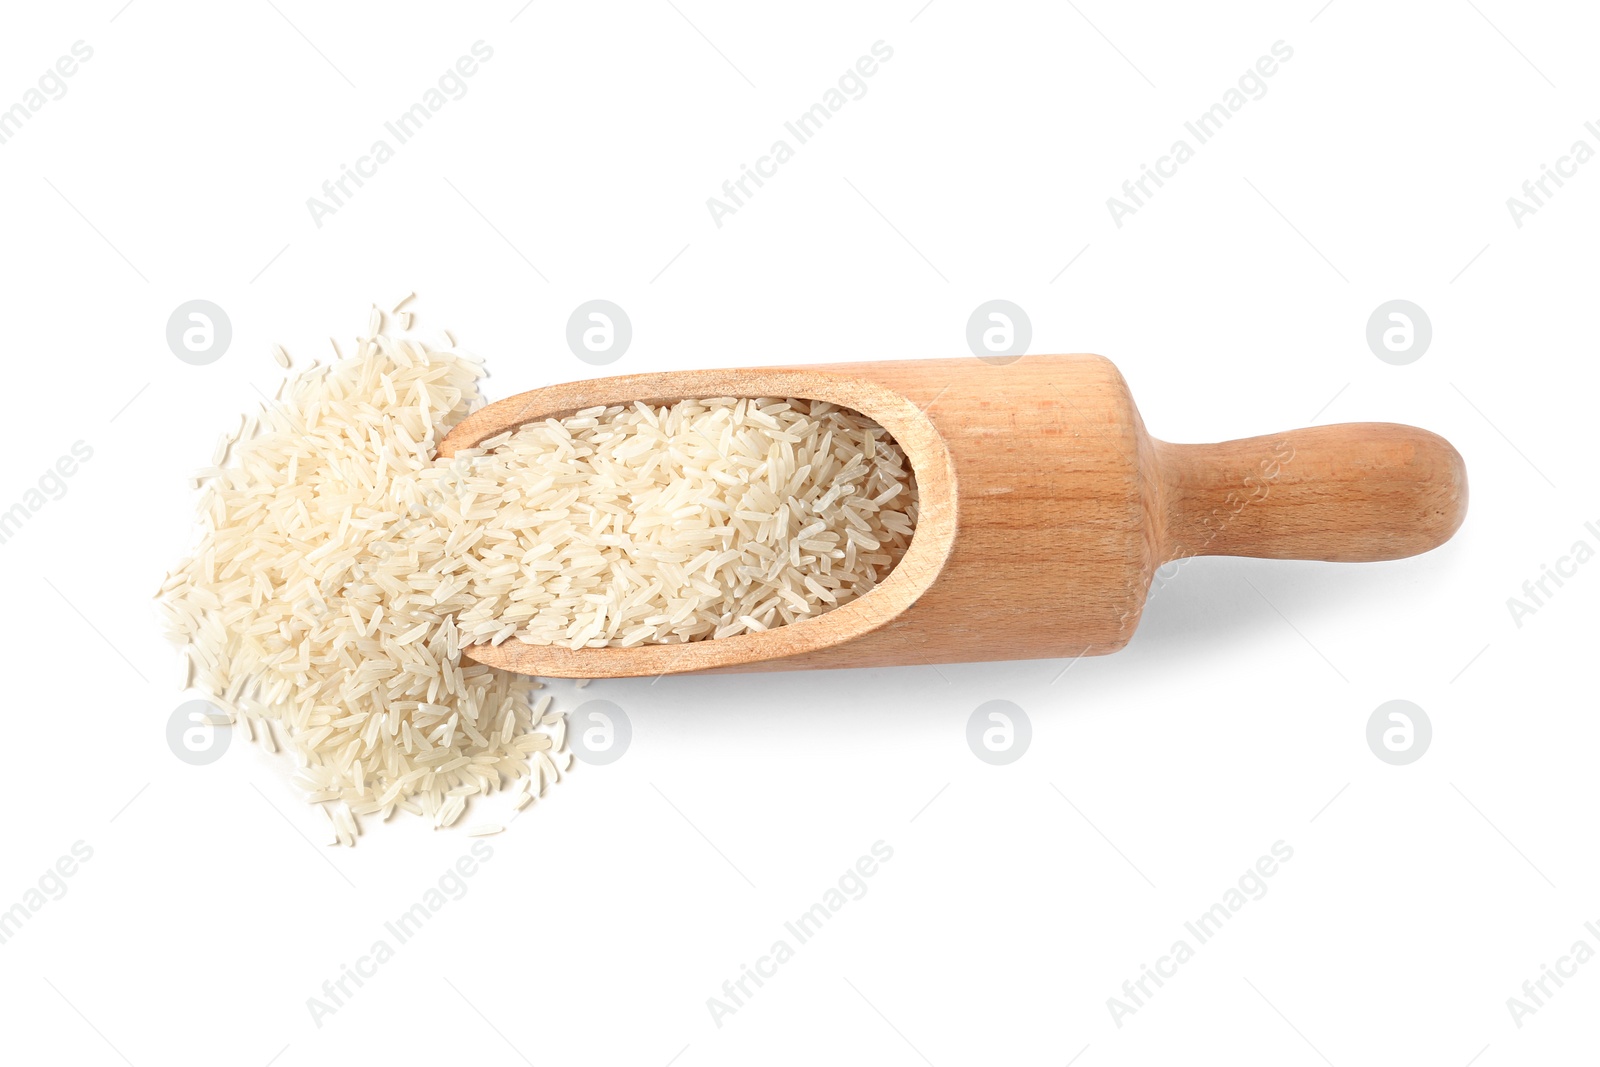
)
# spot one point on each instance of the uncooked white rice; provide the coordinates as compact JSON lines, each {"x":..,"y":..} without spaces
{"x":310,"y":569}
{"x":622,"y":526}
{"x":343,"y":566}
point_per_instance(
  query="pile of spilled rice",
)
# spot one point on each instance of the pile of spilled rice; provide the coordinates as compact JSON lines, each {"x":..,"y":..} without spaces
{"x":342,"y":565}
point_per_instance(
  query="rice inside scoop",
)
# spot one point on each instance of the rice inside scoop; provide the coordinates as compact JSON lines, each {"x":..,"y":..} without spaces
{"x":644,"y":524}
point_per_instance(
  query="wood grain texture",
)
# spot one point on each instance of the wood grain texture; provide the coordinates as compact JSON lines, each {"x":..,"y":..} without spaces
{"x":1355,"y":492}
{"x":1045,"y":509}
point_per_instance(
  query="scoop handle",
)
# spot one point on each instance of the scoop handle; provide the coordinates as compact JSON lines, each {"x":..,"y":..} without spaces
{"x":1353,"y":492}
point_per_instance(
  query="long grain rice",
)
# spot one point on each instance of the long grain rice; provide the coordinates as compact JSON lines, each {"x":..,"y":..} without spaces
{"x":309,"y":571}
{"x":342,"y":565}
{"x":641,"y":524}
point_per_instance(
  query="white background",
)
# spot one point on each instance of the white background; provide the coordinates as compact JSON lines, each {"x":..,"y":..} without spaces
{"x":977,"y":166}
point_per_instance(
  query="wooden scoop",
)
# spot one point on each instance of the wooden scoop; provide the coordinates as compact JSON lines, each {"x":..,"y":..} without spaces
{"x":1045,"y":509}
